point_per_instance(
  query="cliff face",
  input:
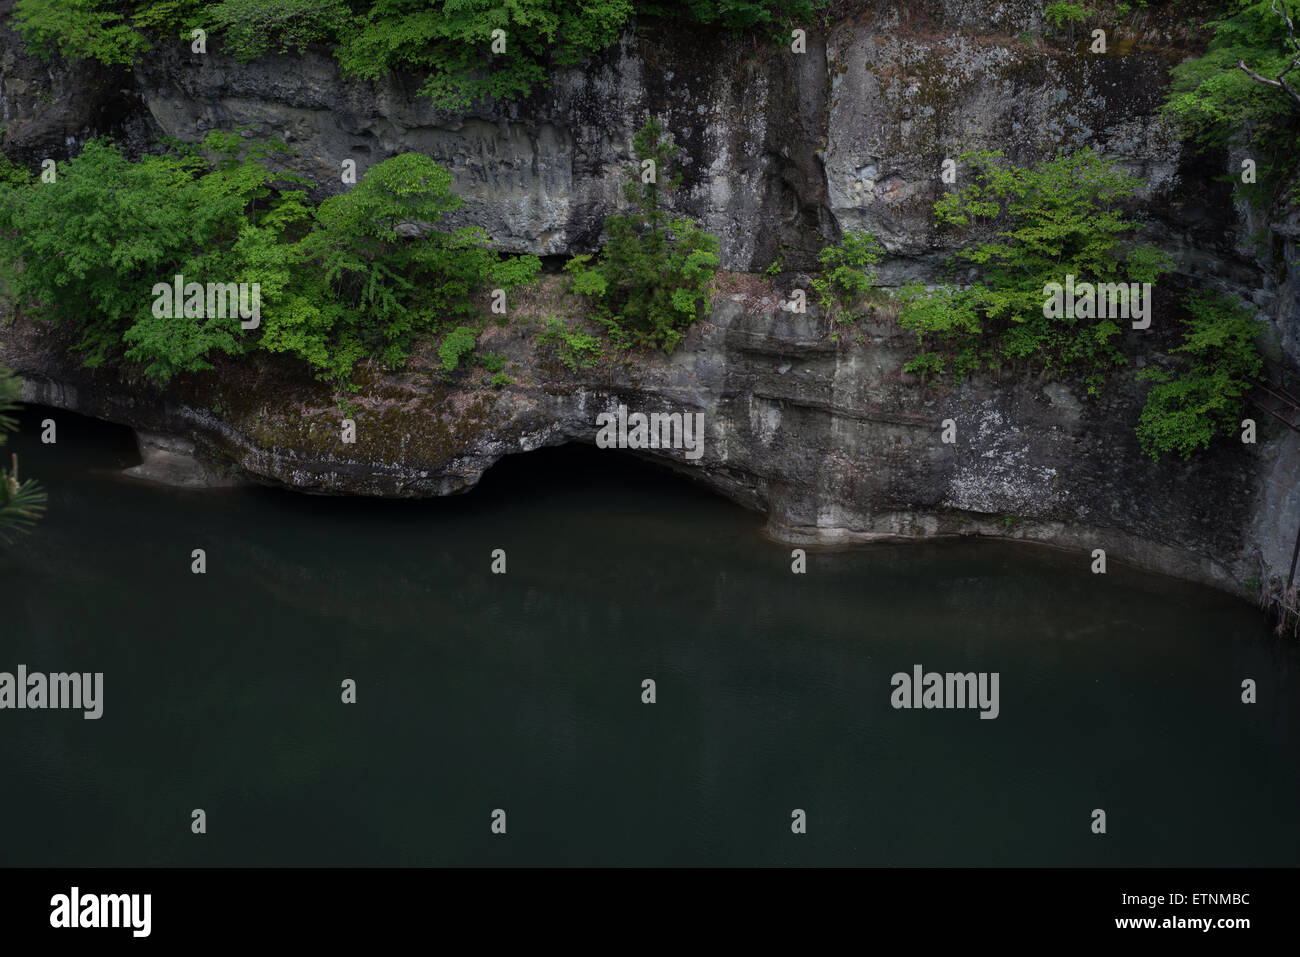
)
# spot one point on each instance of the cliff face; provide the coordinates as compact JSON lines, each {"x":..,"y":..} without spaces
{"x":834,"y":442}
{"x":781,"y":152}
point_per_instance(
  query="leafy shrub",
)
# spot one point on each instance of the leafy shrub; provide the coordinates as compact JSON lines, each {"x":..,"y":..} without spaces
{"x":587,"y":281}
{"x":94,"y":242}
{"x":450,"y":41}
{"x":1033,"y":227}
{"x":926,"y":364}
{"x":653,"y":274}
{"x":846,"y":273}
{"x":577,"y":350}
{"x":111,"y":32}
{"x":359,"y":277}
{"x":1065,"y":12}
{"x":253,"y":28}
{"x":374,"y":273}
{"x":944,"y":315}
{"x":517,"y":271}
{"x":456,"y":345}
{"x":1185,"y":410}
{"x":13,"y":174}
{"x":79,"y":30}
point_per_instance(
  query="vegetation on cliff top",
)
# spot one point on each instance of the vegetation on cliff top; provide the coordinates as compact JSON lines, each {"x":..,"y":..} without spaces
{"x":361,"y":276}
{"x":466,"y":49}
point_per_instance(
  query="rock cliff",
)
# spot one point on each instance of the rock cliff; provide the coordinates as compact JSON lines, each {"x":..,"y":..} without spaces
{"x":781,"y":152}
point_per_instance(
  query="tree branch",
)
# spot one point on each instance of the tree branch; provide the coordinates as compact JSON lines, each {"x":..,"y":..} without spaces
{"x":1280,"y":84}
{"x":1277,"y":81}
{"x":1285,"y":14}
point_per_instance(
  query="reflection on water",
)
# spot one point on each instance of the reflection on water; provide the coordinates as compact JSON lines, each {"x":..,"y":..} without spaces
{"x":523,"y":691}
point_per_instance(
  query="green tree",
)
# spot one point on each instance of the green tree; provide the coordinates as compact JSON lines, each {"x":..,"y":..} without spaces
{"x":1187,"y":408}
{"x":21,"y":503}
{"x":112,"y":32}
{"x":80,"y":30}
{"x":253,"y":28}
{"x":847,"y":274}
{"x":652,"y":278}
{"x":450,"y":41}
{"x":360,"y":276}
{"x":1245,"y":88}
{"x":1034,"y":226}
{"x":374,"y":272}
{"x":95,"y":242}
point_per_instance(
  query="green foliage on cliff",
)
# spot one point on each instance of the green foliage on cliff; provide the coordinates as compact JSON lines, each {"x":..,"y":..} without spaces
{"x":94,"y":243}
{"x":1032,"y":227}
{"x":846,"y":274}
{"x":21,"y":503}
{"x":1065,"y":12}
{"x":373,"y":273}
{"x":12,"y":174}
{"x":651,"y":280}
{"x":1214,"y":102}
{"x":739,"y":15}
{"x":79,"y":30}
{"x":577,"y":350}
{"x":359,"y":277}
{"x":449,"y":42}
{"x":947,"y":323}
{"x":253,"y":28}
{"x":1206,"y":396}
{"x":455,"y":346}
{"x":1029,"y":227}
{"x":118,"y":33}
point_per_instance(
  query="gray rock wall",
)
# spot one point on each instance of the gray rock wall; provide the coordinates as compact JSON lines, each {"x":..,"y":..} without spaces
{"x":833,"y":441}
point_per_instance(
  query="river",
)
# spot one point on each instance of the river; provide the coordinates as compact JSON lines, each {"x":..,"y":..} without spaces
{"x":523,"y":692}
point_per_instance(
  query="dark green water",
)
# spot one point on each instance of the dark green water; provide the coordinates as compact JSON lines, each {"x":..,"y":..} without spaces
{"x":523,"y":691}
